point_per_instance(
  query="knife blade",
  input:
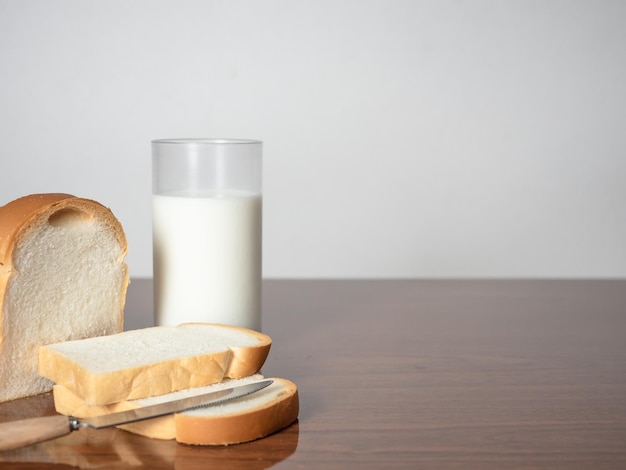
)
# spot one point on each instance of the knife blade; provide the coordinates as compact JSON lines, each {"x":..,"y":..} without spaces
{"x":14,"y":434}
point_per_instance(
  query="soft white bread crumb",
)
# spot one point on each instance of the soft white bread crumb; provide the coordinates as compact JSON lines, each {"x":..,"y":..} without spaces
{"x":153,"y":361}
{"x":245,"y":419}
{"x":62,"y":277}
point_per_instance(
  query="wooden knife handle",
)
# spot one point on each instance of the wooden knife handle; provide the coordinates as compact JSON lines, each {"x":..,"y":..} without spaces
{"x":14,"y":434}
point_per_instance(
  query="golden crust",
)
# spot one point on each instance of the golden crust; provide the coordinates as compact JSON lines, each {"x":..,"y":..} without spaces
{"x":248,"y":360}
{"x":18,"y":217}
{"x":160,"y":377}
{"x":132,"y":383}
{"x":239,"y":427}
{"x":15,"y":217}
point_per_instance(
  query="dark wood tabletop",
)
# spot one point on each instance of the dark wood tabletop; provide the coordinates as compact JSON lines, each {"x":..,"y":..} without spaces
{"x":439,"y":374}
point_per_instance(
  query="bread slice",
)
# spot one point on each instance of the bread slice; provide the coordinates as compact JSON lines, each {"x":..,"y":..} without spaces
{"x":153,"y":361}
{"x":62,"y":277}
{"x":242,"y":420}
{"x":253,"y":417}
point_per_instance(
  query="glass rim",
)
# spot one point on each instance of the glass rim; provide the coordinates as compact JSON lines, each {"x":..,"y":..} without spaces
{"x":207,"y":141}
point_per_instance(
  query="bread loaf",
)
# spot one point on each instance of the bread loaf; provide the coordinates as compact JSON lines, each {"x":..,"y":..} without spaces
{"x":153,"y":361}
{"x":241,"y":420}
{"x":62,"y":277}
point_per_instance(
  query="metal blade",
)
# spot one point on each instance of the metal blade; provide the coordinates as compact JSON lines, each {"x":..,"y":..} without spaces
{"x":162,"y":409}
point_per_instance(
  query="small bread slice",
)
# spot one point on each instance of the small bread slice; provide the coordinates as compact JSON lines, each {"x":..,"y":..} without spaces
{"x":153,"y":361}
{"x":253,"y":417}
{"x":62,"y":277}
{"x":242,"y":420}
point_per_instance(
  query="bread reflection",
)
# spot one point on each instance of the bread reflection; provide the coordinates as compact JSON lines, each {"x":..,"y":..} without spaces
{"x":117,"y":449}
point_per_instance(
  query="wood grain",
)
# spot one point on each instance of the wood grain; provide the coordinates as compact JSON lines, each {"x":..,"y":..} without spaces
{"x":410,"y":374}
{"x":24,"y":432}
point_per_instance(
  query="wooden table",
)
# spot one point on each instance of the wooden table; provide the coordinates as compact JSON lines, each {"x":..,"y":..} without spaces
{"x":410,"y":374}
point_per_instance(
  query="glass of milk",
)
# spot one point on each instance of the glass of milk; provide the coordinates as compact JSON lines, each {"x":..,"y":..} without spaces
{"x":206,"y":225}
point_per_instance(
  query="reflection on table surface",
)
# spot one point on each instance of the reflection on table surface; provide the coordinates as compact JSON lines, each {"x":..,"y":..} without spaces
{"x":115,"y":448}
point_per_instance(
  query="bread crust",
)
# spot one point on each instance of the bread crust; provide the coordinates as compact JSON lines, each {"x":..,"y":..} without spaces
{"x":20,"y":217}
{"x":133,"y":383}
{"x":247,"y":360}
{"x":156,"y":378}
{"x":240,"y":427}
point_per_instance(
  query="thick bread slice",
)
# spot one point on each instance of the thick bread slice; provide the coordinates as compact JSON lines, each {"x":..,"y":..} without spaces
{"x":242,"y":420}
{"x":153,"y":361}
{"x":62,"y":277}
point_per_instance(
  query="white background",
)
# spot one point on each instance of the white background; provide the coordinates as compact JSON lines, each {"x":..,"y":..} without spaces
{"x":403,"y":138}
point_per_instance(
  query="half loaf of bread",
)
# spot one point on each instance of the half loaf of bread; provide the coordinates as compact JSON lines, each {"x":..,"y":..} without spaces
{"x":242,"y":420}
{"x":62,"y":277}
{"x":153,"y":361}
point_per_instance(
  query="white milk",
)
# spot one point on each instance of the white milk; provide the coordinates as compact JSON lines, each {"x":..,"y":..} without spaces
{"x":207,"y":259}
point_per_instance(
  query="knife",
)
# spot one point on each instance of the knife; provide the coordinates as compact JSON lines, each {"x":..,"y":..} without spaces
{"x":14,"y":434}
